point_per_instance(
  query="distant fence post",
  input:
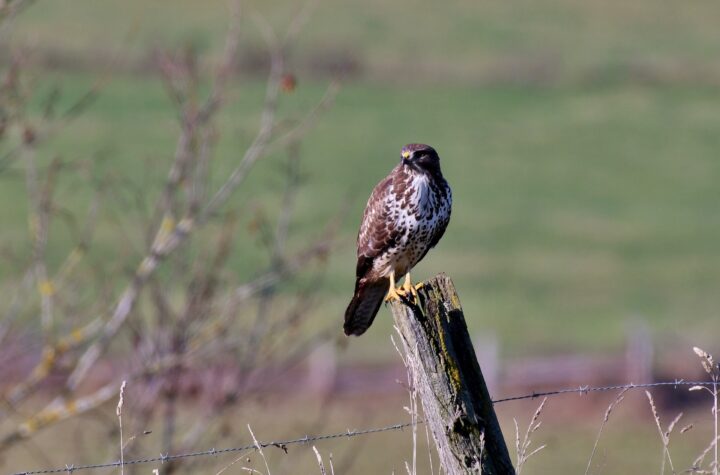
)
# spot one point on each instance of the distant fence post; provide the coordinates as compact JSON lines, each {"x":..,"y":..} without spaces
{"x":455,"y":399}
{"x":487,"y":350}
{"x":638,"y":352}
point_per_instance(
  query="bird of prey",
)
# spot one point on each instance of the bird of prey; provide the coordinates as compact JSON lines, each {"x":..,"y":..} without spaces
{"x":405,"y":216}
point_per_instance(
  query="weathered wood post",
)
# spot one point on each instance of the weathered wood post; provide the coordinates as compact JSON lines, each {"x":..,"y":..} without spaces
{"x":456,"y":402}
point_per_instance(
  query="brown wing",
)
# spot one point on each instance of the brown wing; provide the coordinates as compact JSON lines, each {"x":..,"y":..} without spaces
{"x":378,"y":231}
{"x":377,"y":234}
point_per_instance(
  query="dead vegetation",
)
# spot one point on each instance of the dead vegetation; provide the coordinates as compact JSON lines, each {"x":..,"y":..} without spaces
{"x":181,"y":309}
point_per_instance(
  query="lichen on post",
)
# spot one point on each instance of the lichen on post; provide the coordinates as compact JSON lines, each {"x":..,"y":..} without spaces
{"x":456,"y":402}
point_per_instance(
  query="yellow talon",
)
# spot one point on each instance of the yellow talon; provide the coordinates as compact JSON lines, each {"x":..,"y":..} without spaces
{"x":409,"y":289}
{"x":393,"y":292}
{"x":406,"y":291}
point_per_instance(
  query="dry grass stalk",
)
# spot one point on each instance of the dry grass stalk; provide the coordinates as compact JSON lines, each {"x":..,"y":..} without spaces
{"x":700,"y":459}
{"x":236,"y":460}
{"x":430,"y":451}
{"x":522,"y":447}
{"x":664,"y":434}
{"x":332,"y":466}
{"x":412,"y":407}
{"x":251,"y":470}
{"x":323,"y":471}
{"x":259,"y":448}
{"x":118,"y":412}
{"x":713,"y":369}
{"x":618,"y":399}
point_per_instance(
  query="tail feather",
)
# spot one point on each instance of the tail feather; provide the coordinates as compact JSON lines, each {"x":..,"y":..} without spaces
{"x":364,"y":305}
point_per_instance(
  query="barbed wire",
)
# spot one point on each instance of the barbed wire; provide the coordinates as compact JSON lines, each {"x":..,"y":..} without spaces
{"x":283,"y":444}
{"x":589,"y":389}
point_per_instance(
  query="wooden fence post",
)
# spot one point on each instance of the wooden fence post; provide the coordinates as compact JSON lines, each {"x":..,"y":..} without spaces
{"x":456,"y":402}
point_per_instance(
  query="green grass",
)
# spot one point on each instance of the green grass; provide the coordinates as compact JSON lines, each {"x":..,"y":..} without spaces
{"x":579,"y":204}
{"x":576,"y":209}
{"x":457,"y":39}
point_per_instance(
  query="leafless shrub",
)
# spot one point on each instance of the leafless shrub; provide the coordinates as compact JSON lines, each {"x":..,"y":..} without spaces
{"x":194,"y":315}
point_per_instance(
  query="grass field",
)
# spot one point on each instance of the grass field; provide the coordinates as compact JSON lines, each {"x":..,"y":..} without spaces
{"x":458,"y":39}
{"x":575,"y":209}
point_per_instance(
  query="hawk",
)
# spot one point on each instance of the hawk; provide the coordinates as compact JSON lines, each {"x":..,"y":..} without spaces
{"x":405,"y":216}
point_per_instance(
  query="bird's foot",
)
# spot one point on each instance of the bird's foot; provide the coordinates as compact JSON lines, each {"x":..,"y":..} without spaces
{"x":406,"y":293}
{"x":409,"y":291}
{"x":394,"y":294}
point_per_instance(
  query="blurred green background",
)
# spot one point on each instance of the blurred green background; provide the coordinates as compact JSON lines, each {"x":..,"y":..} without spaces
{"x":580,"y":139}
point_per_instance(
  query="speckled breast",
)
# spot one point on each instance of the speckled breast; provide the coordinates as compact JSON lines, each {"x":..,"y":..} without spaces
{"x":420,"y":210}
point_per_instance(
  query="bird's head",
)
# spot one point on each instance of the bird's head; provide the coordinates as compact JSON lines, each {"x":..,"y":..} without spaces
{"x":420,"y":157}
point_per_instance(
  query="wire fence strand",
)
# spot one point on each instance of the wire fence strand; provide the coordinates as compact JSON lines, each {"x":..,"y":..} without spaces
{"x":618,"y":387}
{"x":283,"y":444}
